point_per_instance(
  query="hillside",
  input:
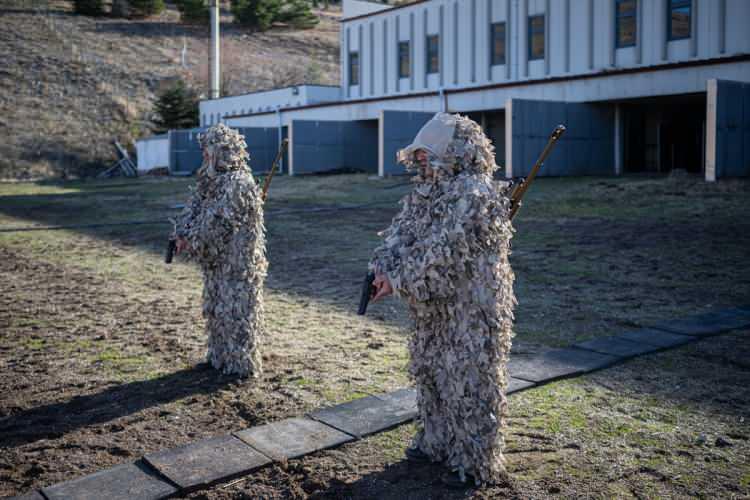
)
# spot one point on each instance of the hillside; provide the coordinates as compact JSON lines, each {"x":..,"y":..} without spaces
{"x":70,"y":85}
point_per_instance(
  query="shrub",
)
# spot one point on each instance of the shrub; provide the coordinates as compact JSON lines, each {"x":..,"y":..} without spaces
{"x":193,"y":11}
{"x":258,"y":14}
{"x":176,"y":108}
{"x":145,"y":8}
{"x":89,"y":7}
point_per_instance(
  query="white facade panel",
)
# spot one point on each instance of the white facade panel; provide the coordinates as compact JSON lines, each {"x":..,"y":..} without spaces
{"x":152,"y":153}
{"x":580,"y":37}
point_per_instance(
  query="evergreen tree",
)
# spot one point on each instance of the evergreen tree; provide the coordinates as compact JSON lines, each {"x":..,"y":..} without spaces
{"x":258,"y":14}
{"x":297,"y":13}
{"x":176,"y":108}
{"x":89,"y":7}
{"x":193,"y":11}
{"x":145,"y":8}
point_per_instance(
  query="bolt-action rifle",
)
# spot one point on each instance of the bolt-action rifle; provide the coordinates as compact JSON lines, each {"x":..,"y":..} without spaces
{"x":172,"y":243}
{"x":520,"y":189}
{"x":368,"y":290}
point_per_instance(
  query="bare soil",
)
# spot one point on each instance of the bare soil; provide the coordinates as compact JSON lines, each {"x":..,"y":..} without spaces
{"x":101,"y":344}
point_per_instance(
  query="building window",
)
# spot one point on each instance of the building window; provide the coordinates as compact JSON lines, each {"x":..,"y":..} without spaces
{"x":354,"y":68}
{"x":433,"y":54}
{"x":625,"y":22}
{"x":497,"y":43}
{"x":203,"y":122}
{"x":536,"y":37}
{"x":404,"y":60}
{"x":678,"y":19}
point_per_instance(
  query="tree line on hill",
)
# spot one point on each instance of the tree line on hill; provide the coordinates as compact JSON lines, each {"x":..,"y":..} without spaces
{"x":256,"y":14}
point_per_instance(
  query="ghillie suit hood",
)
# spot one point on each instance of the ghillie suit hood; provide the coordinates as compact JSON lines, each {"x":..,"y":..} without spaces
{"x":454,"y":144}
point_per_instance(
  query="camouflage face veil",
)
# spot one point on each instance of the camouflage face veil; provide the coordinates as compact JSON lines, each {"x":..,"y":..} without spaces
{"x":454,"y":143}
{"x":225,"y":149}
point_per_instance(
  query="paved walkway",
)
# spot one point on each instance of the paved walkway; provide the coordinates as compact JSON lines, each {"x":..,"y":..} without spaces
{"x":198,"y":465}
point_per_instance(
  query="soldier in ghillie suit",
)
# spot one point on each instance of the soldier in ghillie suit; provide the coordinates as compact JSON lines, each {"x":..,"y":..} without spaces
{"x":222,"y":229}
{"x":446,"y":254}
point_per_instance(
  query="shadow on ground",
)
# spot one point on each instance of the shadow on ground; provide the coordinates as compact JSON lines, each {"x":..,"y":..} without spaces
{"x":54,"y":420}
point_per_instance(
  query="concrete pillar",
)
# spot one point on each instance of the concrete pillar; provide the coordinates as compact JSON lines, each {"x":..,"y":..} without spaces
{"x":214,"y":51}
{"x":694,"y":29}
{"x":508,"y":26}
{"x":591,"y":34}
{"x":524,"y":31}
{"x":711,"y":111}
{"x":662,"y":28}
{"x":567,"y":36}
{"x":290,"y":149}
{"x":547,"y":37}
{"x":455,"y":43}
{"x":722,"y":26}
{"x":473,"y":50}
{"x":619,"y":149}
{"x":509,"y":138}
{"x":385,"y":56}
{"x":381,"y":138}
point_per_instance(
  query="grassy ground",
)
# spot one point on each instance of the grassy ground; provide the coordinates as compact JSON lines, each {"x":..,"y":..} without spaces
{"x":101,"y":343}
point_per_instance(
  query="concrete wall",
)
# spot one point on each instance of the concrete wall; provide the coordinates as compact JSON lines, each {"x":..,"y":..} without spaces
{"x":152,"y":152}
{"x":728,"y":130}
{"x":320,"y":146}
{"x":397,"y":130}
{"x":587,"y":147}
{"x":579,"y":36}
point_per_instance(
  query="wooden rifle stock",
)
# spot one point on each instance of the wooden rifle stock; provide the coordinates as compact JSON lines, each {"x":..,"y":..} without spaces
{"x":276,"y":161}
{"x":520,"y":189}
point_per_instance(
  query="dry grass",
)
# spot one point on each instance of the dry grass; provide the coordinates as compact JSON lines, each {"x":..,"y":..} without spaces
{"x":70,"y":85}
{"x":96,"y":327}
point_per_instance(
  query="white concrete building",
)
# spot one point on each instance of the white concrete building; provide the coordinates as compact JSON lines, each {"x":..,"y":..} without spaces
{"x":643,"y":85}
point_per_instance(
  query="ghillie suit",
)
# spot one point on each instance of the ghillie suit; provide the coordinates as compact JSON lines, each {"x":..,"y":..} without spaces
{"x":446,"y":254}
{"x":223,"y":224}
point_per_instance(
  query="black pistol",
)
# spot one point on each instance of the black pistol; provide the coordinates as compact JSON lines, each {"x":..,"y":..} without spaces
{"x":367,"y":293}
{"x":171,"y":246}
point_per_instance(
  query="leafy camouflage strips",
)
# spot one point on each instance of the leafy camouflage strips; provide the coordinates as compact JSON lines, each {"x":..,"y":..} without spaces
{"x":446,"y":254}
{"x":223,"y":224}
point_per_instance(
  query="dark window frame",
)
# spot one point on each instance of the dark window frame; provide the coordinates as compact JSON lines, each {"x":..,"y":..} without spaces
{"x":353,"y":75}
{"x":619,"y":17}
{"x":531,"y":31}
{"x":404,"y":54}
{"x":432,"y":49}
{"x":673,"y":5}
{"x":495,"y":58}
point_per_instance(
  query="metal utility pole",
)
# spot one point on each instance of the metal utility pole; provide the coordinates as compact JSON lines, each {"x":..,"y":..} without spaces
{"x":214,"y":84}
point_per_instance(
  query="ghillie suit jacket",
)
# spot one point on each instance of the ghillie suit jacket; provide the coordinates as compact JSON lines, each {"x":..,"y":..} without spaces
{"x":223,"y":224}
{"x":446,"y":254}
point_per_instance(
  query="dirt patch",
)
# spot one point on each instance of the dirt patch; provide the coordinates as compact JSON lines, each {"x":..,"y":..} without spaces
{"x":101,"y":344}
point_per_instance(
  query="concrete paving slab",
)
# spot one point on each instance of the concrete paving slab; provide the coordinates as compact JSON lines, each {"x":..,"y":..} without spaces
{"x":405,"y":398}
{"x":658,"y":338}
{"x":704,"y":325}
{"x":292,"y":438}
{"x":365,"y":416}
{"x":516,"y":385}
{"x":205,"y":462}
{"x":126,"y":481}
{"x":558,"y":363}
{"x":32,"y":495}
{"x":616,"y":346}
